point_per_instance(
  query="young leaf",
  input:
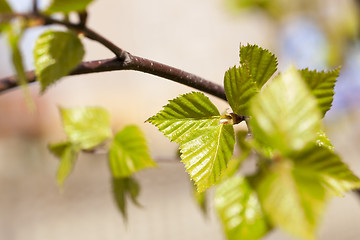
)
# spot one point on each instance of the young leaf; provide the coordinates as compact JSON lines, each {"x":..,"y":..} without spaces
{"x":239,"y":210}
{"x":323,"y":140}
{"x":55,"y":55}
{"x":4,"y":7}
{"x":123,"y":187}
{"x":293,"y":198}
{"x":285,"y":115}
{"x":323,"y":162}
{"x":322,"y":86}
{"x":239,"y":89}
{"x":129,"y":152}
{"x":184,"y":115}
{"x":67,"y":152}
{"x":66,"y":6}
{"x":261,"y":63}
{"x":206,"y":152}
{"x":86,"y":127}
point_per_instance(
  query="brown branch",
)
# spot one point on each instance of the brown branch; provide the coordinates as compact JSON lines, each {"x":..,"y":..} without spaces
{"x":132,"y":63}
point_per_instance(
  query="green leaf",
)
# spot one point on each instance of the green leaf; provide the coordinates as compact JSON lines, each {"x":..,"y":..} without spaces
{"x":206,"y":152}
{"x":239,"y":210}
{"x":67,"y":6}
{"x":67,"y":152}
{"x":285,"y":115}
{"x":15,"y":32}
{"x":86,"y":127}
{"x":4,"y":7}
{"x":56,"y":54}
{"x":322,"y":86}
{"x":123,"y":187}
{"x":323,"y":140}
{"x":324,"y":163}
{"x":129,"y":152}
{"x":292,"y":198}
{"x":240,"y":88}
{"x":201,"y":199}
{"x":184,"y":115}
{"x":261,"y":63}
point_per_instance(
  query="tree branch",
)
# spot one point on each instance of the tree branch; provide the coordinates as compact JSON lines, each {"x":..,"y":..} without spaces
{"x":132,"y":63}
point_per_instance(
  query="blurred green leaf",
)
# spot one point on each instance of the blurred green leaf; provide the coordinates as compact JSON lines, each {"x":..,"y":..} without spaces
{"x":86,"y":127}
{"x":67,"y":153}
{"x":184,"y":115}
{"x":285,"y":115}
{"x":123,"y":187}
{"x":206,"y":152}
{"x":239,"y":210}
{"x":201,"y":199}
{"x":292,"y":198}
{"x":56,"y":54}
{"x":239,"y":89}
{"x":261,"y":63}
{"x":4,"y":7}
{"x":322,"y":86}
{"x":67,"y":6}
{"x":129,"y":152}
{"x":324,"y":163}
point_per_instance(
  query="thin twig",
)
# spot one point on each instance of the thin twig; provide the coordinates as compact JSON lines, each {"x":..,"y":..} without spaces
{"x":35,"y":8}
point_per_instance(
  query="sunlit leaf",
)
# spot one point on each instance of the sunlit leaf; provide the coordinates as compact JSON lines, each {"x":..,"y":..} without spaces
{"x":67,"y":153}
{"x":323,"y":162}
{"x":239,"y":210}
{"x":86,"y":127}
{"x":261,"y":63}
{"x":129,"y":152}
{"x":55,"y":55}
{"x":322,"y":86}
{"x":4,"y":7}
{"x":184,"y":115}
{"x":123,"y":188}
{"x":285,"y":115}
{"x":239,"y":89}
{"x":66,"y":6}
{"x":292,"y":198}
{"x":206,"y":152}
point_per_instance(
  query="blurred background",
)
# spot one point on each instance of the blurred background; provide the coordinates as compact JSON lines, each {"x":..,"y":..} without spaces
{"x":201,"y":37}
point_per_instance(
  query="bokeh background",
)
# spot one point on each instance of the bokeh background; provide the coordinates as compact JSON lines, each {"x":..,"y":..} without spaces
{"x":201,"y":37}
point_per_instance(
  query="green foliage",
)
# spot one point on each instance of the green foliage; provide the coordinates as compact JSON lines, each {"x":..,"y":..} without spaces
{"x":123,"y":188}
{"x":239,"y":210}
{"x":86,"y":127}
{"x":261,"y":63}
{"x":128,"y":152}
{"x":285,"y":116}
{"x":322,"y":86}
{"x":55,"y":55}
{"x":67,"y":153}
{"x":206,"y":145}
{"x":201,"y":199}
{"x":67,"y":6}
{"x":4,"y":7}
{"x":323,"y":140}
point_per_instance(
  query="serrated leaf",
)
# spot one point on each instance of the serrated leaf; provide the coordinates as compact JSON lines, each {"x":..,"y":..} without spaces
{"x":323,"y":140}
{"x":184,"y":115}
{"x":322,"y":86}
{"x":240,"y":88}
{"x":4,"y":7}
{"x":86,"y":127}
{"x":67,"y":6}
{"x":129,"y":152}
{"x":261,"y":63}
{"x":55,"y":55}
{"x":239,"y":210}
{"x":206,"y":152}
{"x":15,"y":32}
{"x":324,"y":163}
{"x":292,"y":198}
{"x":123,"y":187}
{"x":67,"y":153}
{"x":285,"y":115}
